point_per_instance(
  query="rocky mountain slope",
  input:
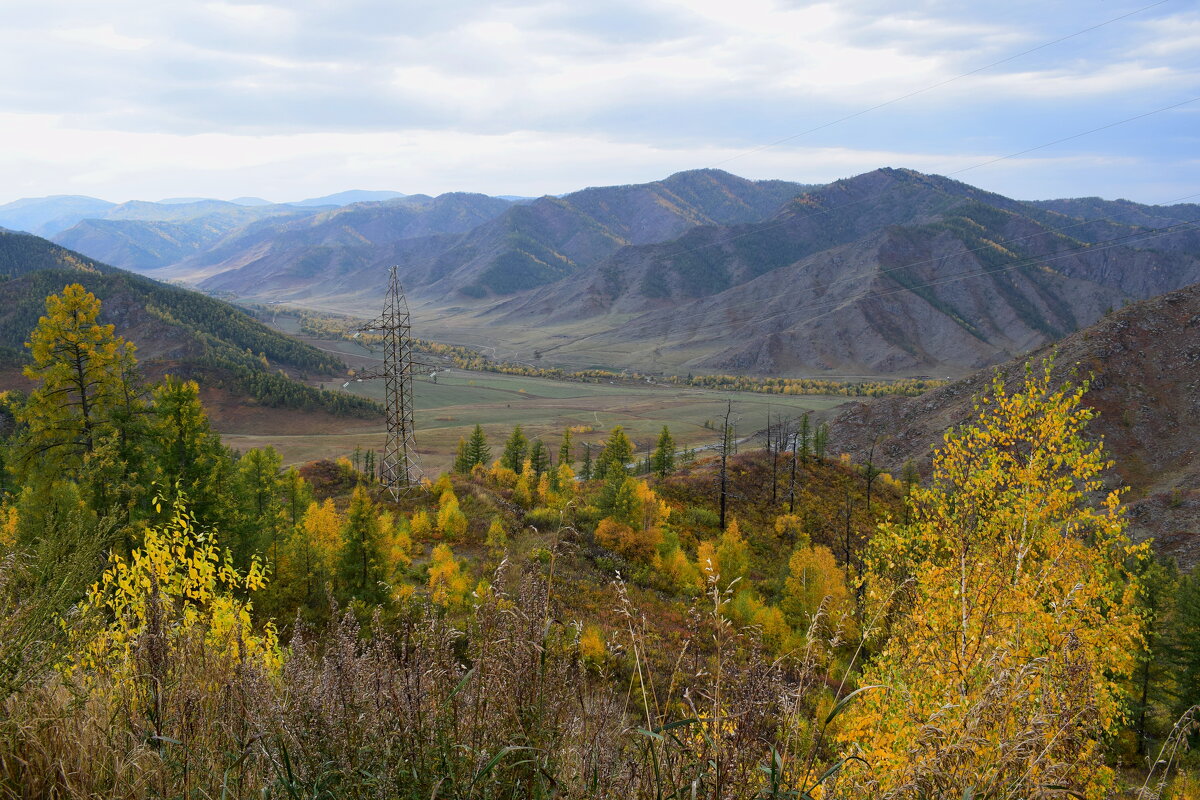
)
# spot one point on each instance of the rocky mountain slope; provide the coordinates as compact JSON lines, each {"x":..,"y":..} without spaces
{"x":1143,"y":363}
{"x":888,"y":272}
{"x":526,"y":246}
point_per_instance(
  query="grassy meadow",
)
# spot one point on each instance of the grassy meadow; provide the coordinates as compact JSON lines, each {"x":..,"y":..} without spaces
{"x":450,"y":408}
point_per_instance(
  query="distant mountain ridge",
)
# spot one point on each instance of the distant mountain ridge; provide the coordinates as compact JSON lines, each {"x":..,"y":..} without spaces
{"x":46,"y":216}
{"x":348,"y":197}
{"x":333,"y":244}
{"x":527,"y":245}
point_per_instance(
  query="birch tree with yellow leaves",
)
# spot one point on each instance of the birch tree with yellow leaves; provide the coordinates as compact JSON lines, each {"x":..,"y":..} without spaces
{"x":1007,"y":610}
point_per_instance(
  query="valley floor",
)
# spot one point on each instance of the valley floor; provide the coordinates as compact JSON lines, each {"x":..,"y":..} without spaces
{"x":451,"y":407}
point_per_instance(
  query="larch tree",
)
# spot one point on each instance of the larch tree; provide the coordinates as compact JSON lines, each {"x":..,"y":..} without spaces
{"x":451,"y":522}
{"x":462,"y":458}
{"x":727,"y":559}
{"x":449,"y":584}
{"x":259,"y":490}
{"x":309,"y":557}
{"x":497,"y":539}
{"x":87,"y":403}
{"x":297,"y":496}
{"x":816,"y":591}
{"x":1009,"y":611}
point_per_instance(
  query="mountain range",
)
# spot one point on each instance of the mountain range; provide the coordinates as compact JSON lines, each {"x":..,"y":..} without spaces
{"x":892,"y":272}
{"x":52,"y":215}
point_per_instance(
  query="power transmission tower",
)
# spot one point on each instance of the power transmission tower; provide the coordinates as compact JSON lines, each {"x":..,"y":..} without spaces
{"x":398,"y":471}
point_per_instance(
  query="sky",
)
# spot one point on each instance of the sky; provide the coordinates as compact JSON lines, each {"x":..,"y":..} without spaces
{"x":144,"y":99}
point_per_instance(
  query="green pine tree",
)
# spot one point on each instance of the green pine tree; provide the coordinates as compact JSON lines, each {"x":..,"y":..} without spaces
{"x":564,"y":449}
{"x":1183,"y":643}
{"x":539,"y":457}
{"x":478,"y":451}
{"x":360,"y":563}
{"x":585,"y":469}
{"x":820,"y":441}
{"x":616,"y":455}
{"x":1159,"y":586}
{"x":662,"y":462}
{"x":190,"y":457}
{"x":515,"y":450}
{"x":804,"y":440}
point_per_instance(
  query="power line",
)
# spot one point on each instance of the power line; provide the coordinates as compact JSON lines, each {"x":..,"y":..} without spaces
{"x":938,"y":85}
{"x":1077,"y":135}
{"x":399,"y":468}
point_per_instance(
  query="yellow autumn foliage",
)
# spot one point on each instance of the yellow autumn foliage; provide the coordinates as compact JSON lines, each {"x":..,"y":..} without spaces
{"x":497,"y":538}
{"x":816,"y":590}
{"x":726,"y":559}
{"x":591,"y":645}
{"x":451,"y":522}
{"x":179,"y":588}
{"x":449,"y":585}
{"x":8,"y":526}
{"x":1011,"y":614}
{"x":420,"y":526}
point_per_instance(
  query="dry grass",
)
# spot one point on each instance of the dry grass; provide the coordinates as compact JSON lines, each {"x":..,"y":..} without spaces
{"x":500,"y":703}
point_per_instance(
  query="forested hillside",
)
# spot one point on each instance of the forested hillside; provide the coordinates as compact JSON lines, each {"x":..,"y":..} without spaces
{"x":142,"y":245}
{"x":176,"y":330}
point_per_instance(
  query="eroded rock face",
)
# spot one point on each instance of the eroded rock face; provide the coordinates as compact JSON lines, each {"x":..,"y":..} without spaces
{"x":1144,"y":367}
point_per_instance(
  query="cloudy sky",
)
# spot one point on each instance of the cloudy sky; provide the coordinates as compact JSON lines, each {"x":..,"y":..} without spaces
{"x":144,"y":99}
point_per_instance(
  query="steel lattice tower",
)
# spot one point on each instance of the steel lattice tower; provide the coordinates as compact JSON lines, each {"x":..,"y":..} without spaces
{"x":399,"y":466}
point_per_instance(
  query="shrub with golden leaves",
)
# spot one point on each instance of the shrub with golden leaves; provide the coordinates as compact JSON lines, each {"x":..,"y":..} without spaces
{"x":1010,"y":612}
{"x":177,"y":587}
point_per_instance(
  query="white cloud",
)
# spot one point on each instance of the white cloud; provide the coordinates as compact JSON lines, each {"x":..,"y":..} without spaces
{"x":204,"y":97}
{"x":123,"y":166}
